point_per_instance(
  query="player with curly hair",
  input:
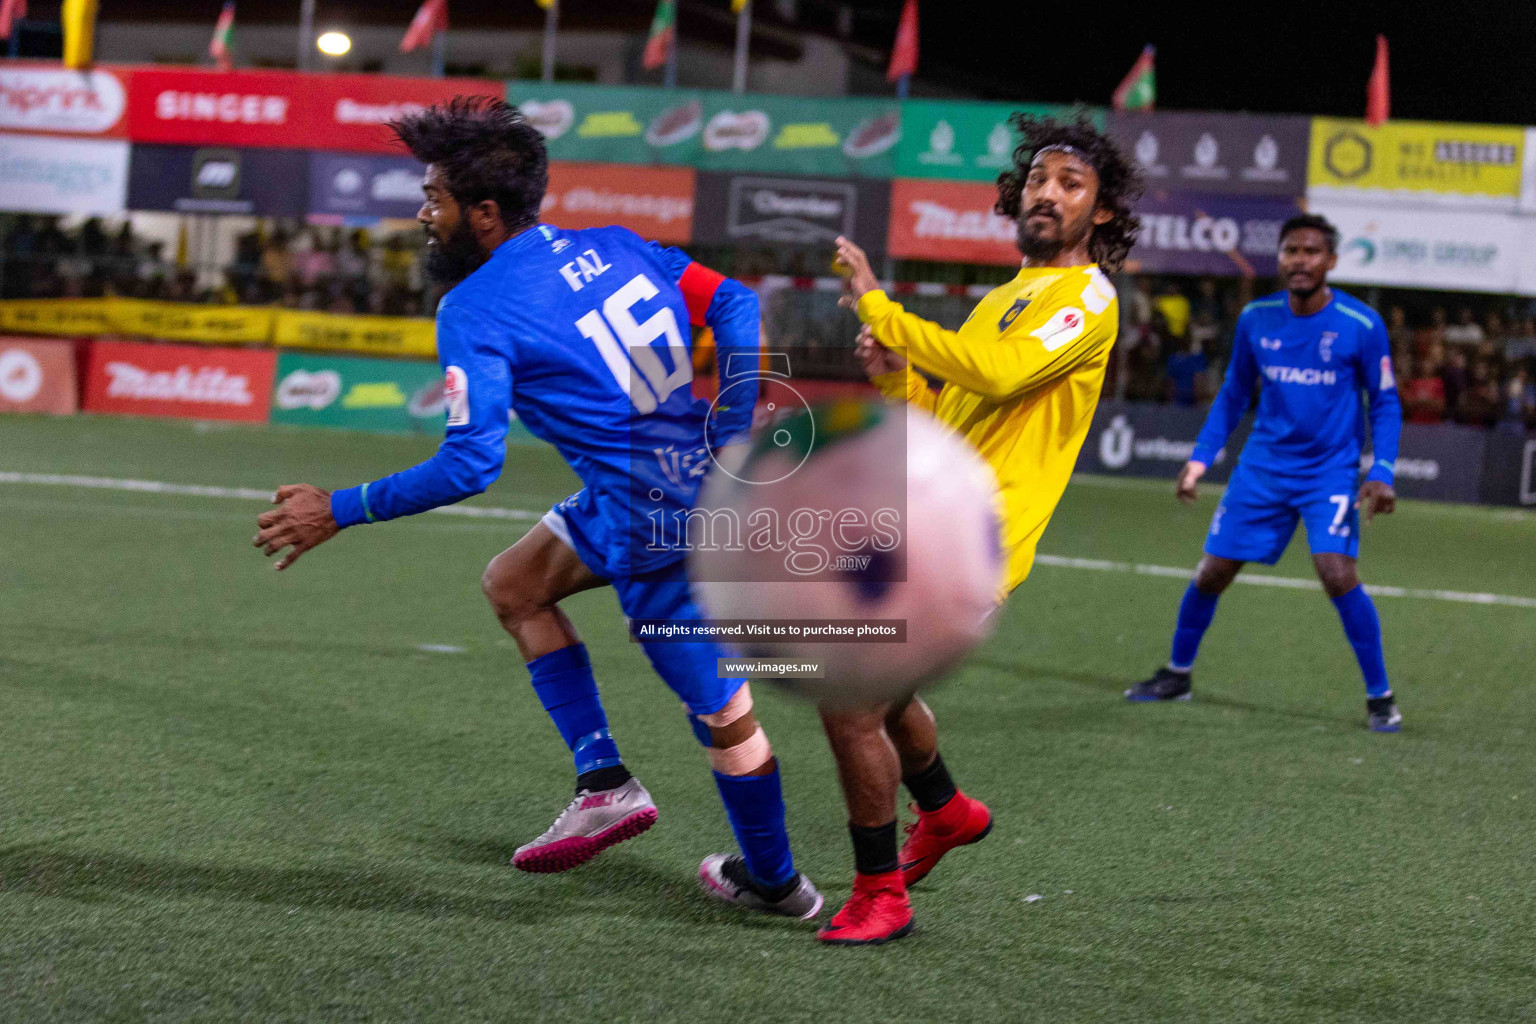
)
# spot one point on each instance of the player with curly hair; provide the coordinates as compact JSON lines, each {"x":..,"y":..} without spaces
{"x":1021,"y":378}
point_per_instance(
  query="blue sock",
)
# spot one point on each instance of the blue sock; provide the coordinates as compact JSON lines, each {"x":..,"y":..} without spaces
{"x":563,"y":680}
{"x":1195,"y":614}
{"x":1363,"y":627}
{"x":755,"y":805}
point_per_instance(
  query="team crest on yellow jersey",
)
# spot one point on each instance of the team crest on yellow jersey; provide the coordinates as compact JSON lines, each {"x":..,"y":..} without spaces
{"x":1012,"y":314}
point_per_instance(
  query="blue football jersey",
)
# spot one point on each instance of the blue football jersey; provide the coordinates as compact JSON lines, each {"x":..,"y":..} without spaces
{"x":1310,"y":420}
{"x":585,"y":336}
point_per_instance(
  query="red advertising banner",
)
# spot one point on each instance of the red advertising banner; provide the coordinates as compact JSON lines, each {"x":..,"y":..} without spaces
{"x":191,"y":382}
{"x":653,"y":202}
{"x":950,"y":221}
{"x":37,"y":376}
{"x":283,"y":109}
{"x":54,"y":100}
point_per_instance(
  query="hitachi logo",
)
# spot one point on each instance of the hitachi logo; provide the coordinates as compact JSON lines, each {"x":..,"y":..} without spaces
{"x":1300,"y":375}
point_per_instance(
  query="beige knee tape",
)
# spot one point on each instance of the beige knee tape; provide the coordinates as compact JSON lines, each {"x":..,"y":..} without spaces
{"x":752,"y":752}
{"x":739,"y":704}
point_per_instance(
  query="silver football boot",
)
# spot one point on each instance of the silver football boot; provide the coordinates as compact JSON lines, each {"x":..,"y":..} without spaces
{"x":589,"y":825}
{"x":724,"y":876}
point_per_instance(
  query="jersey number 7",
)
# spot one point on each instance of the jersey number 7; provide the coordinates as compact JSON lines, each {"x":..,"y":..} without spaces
{"x":614,"y":330}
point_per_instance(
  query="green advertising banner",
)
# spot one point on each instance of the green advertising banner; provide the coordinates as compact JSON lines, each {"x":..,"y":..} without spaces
{"x":837,"y":138}
{"x":614,"y":124}
{"x":382,"y":395}
{"x":964,"y":141}
{"x":717,"y":131}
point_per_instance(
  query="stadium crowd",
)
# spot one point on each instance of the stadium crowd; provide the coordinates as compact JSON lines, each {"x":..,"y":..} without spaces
{"x":1476,"y":366}
{"x":1476,"y":370}
{"x":296,"y":266}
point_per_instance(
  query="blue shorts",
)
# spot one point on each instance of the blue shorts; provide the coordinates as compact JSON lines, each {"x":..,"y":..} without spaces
{"x":1258,"y":515}
{"x":690,"y":669}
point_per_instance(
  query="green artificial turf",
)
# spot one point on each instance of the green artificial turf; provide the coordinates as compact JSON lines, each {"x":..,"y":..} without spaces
{"x":229,"y":794}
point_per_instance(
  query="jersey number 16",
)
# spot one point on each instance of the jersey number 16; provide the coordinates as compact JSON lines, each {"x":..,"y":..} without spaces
{"x":614,"y":330}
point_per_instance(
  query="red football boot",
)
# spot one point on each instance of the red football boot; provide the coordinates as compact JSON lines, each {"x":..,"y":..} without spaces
{"x":960,"y":822}
{"x":877,"y":912}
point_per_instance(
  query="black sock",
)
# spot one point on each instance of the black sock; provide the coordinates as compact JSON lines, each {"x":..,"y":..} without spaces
{"x":932,"y":787}
{"x":599,"y":779}
{"x":874,"y":849}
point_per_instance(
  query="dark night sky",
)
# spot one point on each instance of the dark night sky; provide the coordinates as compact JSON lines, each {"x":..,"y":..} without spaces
{"x":1456,"y":60}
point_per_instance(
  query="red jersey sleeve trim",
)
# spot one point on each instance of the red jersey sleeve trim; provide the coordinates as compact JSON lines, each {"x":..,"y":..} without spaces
{"x":699,"y":285}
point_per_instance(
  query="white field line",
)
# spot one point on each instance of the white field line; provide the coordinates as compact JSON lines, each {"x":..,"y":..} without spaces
{"x":1287,"y":582}
{"x":243,"y":493}
{"x":524,"y":515}
{"x":1209,"y":492}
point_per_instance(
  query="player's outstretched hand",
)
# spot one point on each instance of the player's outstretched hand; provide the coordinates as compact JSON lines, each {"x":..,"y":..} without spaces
{"x":1375,"y":497}
{"x":852,"y":262}
{"x":1189,"y":476}
{"x":874,"y":357}
{"x":301,"y":521}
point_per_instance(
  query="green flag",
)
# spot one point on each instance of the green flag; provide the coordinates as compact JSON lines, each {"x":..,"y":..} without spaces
{"x":1139,"y":89}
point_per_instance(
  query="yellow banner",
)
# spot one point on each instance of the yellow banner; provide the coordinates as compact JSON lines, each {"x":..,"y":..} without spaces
{"x":73,"y":317}
{"x":376,"y":335}
{"x":221,"y":325}
{"x":1416,"y":161}
{"x":173,"y":321}
{"x":186,"y":321}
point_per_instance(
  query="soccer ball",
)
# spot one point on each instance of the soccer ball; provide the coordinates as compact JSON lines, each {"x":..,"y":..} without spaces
{"x":862,"y":514}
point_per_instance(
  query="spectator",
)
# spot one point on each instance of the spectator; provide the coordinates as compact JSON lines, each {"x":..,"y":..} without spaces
{"x":1398,"y":333}
{"x":1206,"y":303}
{"x":1493,"y":328}
{"x":1481,"y":402}
{"x":1519,"y":403}
{"x":1186,"y":374}
{"x":397,"y":263}
{"x":1174,"y":306}
{"x":247,"y":266}
{"x":52,"y":242}
{"x":312,"y":258}
{"x":1204,"y":333}
{"x":277,"y":262}
{"x":1523,"y":345}
{"x":1453,"y":374}
{"x":20,"y":248}
{"x":1466,"y":330}
{"x":92,"y":242}
{"x":1143,"y":378}
{"x":1423,"y":392}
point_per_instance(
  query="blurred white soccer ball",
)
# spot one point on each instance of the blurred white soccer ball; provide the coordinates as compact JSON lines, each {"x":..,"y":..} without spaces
{"x":857,"y":511}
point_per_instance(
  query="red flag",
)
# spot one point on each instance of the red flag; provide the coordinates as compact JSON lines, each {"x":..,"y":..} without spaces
{"x":11,"y":11}
{"x":431,"y":18}
{"x":1378,"y":92}
{"x":904,"y":53}
{"x":658,"y":46}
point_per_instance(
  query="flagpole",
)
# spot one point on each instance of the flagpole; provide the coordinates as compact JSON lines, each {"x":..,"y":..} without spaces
{"x":551,"y":20}
{"x":743,"y":42}
{"x":306,"y":33}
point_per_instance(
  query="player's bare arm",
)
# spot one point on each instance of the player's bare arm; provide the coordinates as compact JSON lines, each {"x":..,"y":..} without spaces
{"x":301,"y":521}
{"x":1189,"y":477}
{"x":874,"y":358}
{"x":853,"y":262}
{"x":1376,"y":496}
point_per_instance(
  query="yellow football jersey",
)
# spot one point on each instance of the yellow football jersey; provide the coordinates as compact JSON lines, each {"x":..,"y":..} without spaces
{"x":1023,"y":376}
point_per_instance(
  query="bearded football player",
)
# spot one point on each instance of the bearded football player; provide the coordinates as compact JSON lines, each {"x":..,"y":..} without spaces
{"x":1021,"y":380}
